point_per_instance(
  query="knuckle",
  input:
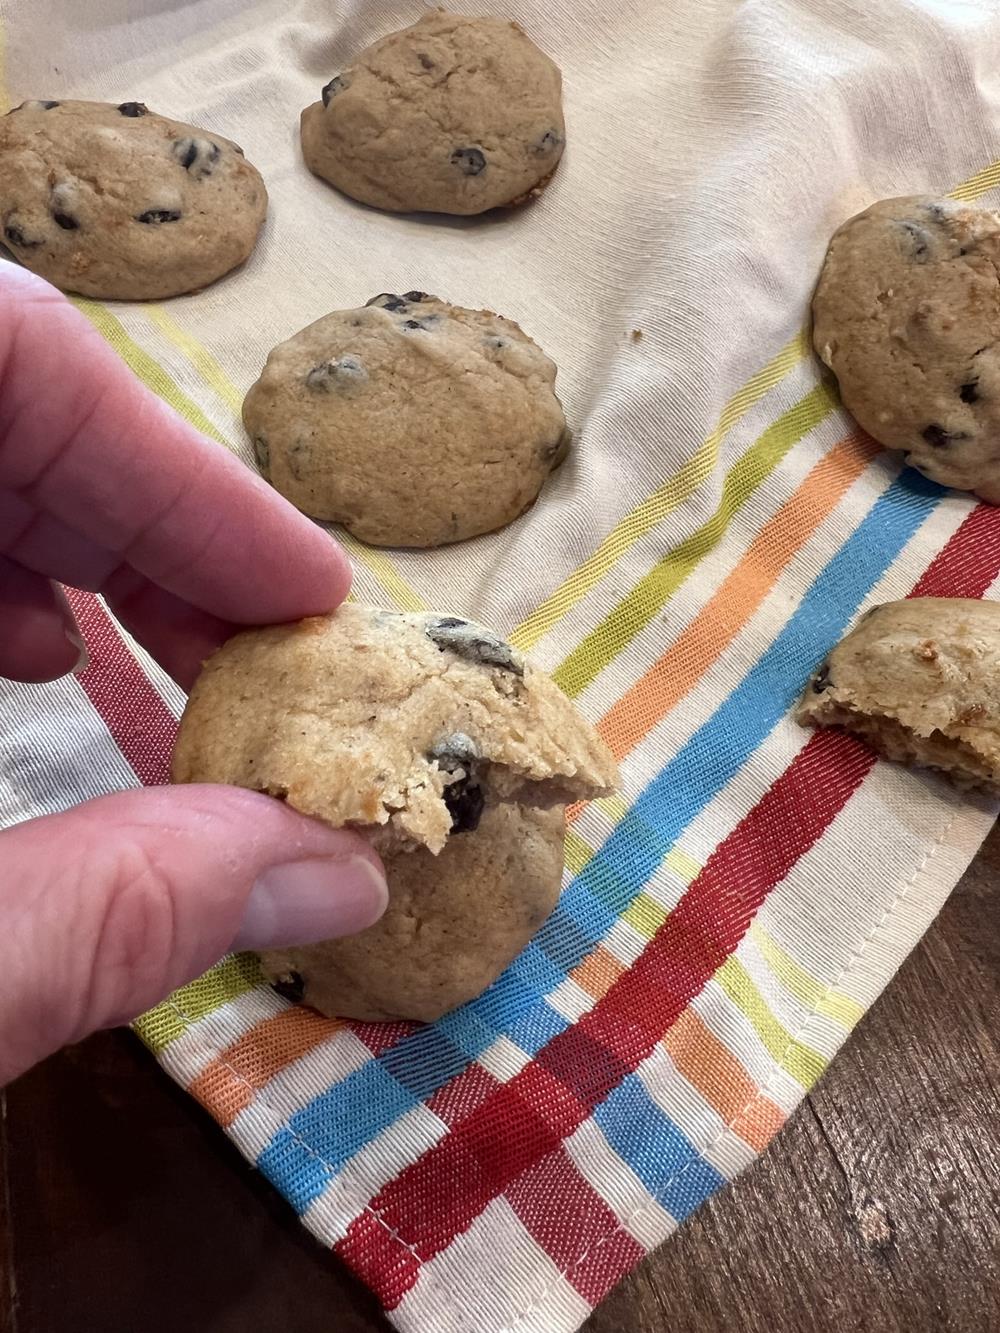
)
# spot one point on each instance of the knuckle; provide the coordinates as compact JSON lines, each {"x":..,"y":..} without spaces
{"x":135,"y":935}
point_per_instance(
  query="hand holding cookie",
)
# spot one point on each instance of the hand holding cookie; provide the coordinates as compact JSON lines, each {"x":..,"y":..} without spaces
{"x":112,"y":904}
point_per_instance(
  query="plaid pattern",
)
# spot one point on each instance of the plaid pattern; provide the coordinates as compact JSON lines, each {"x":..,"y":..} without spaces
{"x":719,"y":933}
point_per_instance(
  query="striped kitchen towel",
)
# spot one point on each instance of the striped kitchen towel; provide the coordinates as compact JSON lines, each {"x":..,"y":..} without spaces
{"x":718,"y":526}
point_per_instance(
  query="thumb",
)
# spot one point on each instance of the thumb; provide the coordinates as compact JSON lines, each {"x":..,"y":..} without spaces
{"x":110,"y":906}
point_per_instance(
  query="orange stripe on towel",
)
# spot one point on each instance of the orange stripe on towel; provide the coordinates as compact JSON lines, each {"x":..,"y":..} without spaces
{"x":229,"y":1083}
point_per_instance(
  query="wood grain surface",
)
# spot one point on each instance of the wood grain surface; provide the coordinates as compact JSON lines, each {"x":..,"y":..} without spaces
{"x":123,"y":1209}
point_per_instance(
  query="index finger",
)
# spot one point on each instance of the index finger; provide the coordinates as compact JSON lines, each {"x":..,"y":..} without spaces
{"x":83,"y":441}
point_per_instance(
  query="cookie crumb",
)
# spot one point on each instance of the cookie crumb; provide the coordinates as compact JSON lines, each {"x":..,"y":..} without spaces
{"x":636,"y":335}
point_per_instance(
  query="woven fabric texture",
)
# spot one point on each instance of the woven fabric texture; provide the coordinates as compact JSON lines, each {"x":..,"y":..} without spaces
{"x":718,"y":525}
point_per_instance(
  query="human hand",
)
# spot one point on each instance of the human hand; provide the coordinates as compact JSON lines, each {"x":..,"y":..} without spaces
{"x":108,"y":907}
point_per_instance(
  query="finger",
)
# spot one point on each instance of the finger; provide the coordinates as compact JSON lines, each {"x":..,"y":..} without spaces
{"x":176,"y":634}
{"x":112,"y":905}
{"x":40,"y":542}
{"x":82,"y":441}
{"x":39,"y":639}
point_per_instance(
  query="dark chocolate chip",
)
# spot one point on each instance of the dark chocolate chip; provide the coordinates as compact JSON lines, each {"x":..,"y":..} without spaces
{"x":336,"y":85}
{"x":388,"y":301}
{"x":940,"y":438}
{"x":425,"y":60}
{"x":417,"y":296}
{"x":470,"y":161}
{"x":291,"y":986}
{"x":465,"y":802}
{"x":196,"y":156}
{"x":414,"y":324}
{"x":15,"y":236}
{"x":154,"y":216}
{"x":969,"y":393}
{"x":473,"y":643}
{"x":921,"y":240}
{"x":133,"y":109}
{"x":454,"y":751}
{"x":821,"y":681}
{"x":548,"y":143}
{"x":262,"y":452}
{"x":66,"y":221}
{"x":457,"y":753}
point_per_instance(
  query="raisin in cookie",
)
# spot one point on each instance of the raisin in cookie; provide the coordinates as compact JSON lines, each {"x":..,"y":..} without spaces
{"x":453,"y":115}
{"x":907,"y":315}
{"x":404,"y":725}
{"x":410,"y":421}
{"x":453,"y":923}
{"x":117,"y":203}
{"x":920,"y":681}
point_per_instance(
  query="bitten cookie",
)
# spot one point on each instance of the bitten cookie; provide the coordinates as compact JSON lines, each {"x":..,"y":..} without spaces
{"x":907,"y":315}
{"x":453,"y":923}
{"x":410,"y":421}
{"x":117,"y":203}
{"x":920,"y":681}
{"x":403,"y":725}
{"x":452,"y":115}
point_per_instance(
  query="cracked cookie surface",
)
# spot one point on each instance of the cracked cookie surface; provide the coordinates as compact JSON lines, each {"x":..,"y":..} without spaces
{"x":410,"y":421}
{"x":907,"y":316}
{"x":919,"y":680}
{"x":453,"y":923}
{"x":406,"y":726}
{"x":451,"y":115}
{"x":118,"y":203}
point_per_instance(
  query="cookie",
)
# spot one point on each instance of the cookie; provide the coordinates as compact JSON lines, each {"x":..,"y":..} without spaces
{"x":453,"y":923}
{"x":919,"y":680}
{"x":452,"y":115}
{"x":410,"y":421}
{"x":118,"y":203}
{"x":403,"y":725}
{"x":907,"y":316}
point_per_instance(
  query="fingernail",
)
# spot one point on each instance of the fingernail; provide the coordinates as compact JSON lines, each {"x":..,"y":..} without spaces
{"x":78,"y":642}
{"x":301,"y":902}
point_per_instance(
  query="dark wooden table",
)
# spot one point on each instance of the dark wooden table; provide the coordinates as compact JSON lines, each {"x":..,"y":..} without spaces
{"x":124,"y":1209}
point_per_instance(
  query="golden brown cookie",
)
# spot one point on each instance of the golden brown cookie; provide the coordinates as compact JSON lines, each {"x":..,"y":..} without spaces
{"x":410,"y":421}
{"x":451,"y":115}
{"x":402,"y":725}
{"x":453,"y":923}
{"x":907,"y":315}
{"x":919,"y":680}
{"x":118,"y":203}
